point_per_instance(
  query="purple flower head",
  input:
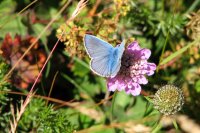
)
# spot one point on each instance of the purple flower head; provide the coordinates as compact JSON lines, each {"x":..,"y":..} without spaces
{"x":134,"y":67}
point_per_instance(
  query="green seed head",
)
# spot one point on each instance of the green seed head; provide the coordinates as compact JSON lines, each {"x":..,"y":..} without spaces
{"x":168,"y":99}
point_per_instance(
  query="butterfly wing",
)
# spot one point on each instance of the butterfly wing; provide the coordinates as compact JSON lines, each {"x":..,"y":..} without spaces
{"x":96,"y":47}
{"x":100,"y":66}
{"x":105,"y":59}
{"x":117,"y":58}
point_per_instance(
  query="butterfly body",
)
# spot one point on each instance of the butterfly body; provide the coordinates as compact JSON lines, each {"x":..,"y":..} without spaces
{"x":105,"y":59}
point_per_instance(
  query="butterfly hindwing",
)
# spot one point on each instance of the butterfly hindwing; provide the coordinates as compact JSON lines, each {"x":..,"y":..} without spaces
{"x":100,"y":66}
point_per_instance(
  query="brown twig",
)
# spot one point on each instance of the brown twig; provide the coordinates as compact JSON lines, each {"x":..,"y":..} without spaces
{"x":93,"y":10}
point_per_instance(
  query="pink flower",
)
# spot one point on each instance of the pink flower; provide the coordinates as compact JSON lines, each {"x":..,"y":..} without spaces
{"x":134,"y":67}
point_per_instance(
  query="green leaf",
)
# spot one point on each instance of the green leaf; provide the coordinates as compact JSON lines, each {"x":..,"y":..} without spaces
{"x":7,"y":6}
{"x":135,"y":109}
{"x":79,"y":70}
{"x":148,"y":99}
{"x":197,"y":86}
{"x":84,"y":121}
{"x":14,"y":26}
{"x":92,"y":89}
{"x":157,"y":128}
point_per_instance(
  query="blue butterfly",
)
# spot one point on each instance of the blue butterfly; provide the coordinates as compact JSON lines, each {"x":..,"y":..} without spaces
{"x":105,"y":59}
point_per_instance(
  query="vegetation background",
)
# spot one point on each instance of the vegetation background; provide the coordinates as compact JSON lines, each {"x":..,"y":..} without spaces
{"x":46,"y":83}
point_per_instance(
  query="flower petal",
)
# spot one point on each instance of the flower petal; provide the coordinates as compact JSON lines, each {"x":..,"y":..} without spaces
{"x":133,"y":89}
{"x":152,"y":66}
{"x":121,"y":85}
{"x":142,"y":79}
{"x":111,"y":84}
{"x":145,"y":54}
{"x":150,"y":69}
{"x":134,"y":46}
{"x":137,"y":89}
{"x":128,"y":87}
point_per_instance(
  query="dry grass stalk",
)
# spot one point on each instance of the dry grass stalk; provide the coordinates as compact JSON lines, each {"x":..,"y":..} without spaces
{"x":78,"y":9}
{"x":19,"y":113}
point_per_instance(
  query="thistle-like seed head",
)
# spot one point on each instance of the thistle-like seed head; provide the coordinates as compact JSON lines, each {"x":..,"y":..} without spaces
{"x":193,"y":26}
{"x":168,"y":99}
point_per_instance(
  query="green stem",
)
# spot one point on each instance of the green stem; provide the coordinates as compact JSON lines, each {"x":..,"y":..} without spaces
{"x":112,"y":106}
{"x":193,"y":6}
{"x":175,"y":125}
{"x":47,"y":71}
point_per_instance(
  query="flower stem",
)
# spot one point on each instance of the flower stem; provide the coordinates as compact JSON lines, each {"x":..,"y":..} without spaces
{"x":112,"y":106}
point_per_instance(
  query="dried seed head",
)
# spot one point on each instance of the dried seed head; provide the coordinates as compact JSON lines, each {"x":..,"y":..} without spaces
{"x":168,"y":99}
{"x":193,"y":26}
{"x":72,"y":36}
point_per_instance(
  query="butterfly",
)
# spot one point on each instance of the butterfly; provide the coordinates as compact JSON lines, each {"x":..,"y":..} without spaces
{"x":105,"y":59}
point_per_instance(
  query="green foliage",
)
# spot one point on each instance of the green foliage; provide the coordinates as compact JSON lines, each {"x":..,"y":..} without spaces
{"x":143,"y":19}
{"x":160,"y":26}
{"x":79,"y":70}
{"x":51,"y":121}
{"x":44,"y":119}
{"x":8,"y":21}
{"x":4,"y":99}
{"x":4,"y":85}
{"x":197,"y":86}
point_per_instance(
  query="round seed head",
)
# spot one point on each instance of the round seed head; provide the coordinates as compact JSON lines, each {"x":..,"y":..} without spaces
{"x":168,"y":99}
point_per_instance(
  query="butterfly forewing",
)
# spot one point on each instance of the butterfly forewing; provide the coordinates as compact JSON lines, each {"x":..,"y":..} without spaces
{"x":96,"y":47}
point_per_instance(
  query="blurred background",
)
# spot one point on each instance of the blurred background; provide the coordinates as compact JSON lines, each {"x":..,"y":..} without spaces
{"x":68,"y":96}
